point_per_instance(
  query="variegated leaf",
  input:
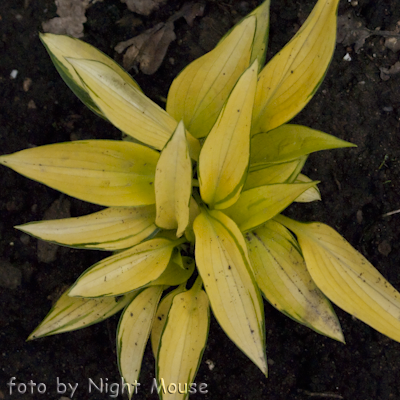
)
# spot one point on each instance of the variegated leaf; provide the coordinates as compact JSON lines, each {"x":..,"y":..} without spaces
{"x":270,"y":173}
{"x":126,"y":107}
{"x":61,"y":47}
{"x":105,"y":172}
{"x":183,"y":341}
{"x":290,"y":79}
{"x":221,"y":258}
{"x":224,"y":157}
{"x":311,"y":194}
{"x":173,"y":183}
{"x":289,"y":142}
{"x":133,"y":332}
{"x":71,"y":313}
{"x":282,"y":276}
{"x":199,"y":92}
{"x":346,"y":277}
{"x":258,"y":205}
{"x":125,"y":271}
{"x":161,"y":318}
{"x":112,"y":229}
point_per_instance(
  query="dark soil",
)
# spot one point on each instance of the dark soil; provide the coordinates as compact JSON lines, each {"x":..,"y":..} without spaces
{"x":358,"y":186}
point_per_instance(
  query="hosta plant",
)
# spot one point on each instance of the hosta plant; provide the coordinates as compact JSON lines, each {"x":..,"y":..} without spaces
{"x":194,"y":201}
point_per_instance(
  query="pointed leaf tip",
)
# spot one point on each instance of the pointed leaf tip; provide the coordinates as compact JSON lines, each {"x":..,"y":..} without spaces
{"x":221,"y":258}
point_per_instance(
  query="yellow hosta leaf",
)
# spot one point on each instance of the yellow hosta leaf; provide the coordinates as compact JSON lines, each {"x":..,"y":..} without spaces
{"x":105,"y":172}
{"x":224,"y":157}
{"x":125,"y":271}
{"x":161,"y":318}
{"x":133,"y":332}
{"x":128,"y":108}
{"x":199,"y":92}
{"x":258,"y":205}
{"x":124,"y":105}
{"x":61,"y":47}
{"x":289,"y":80}
{"x":194,"y":211}
{"x":72,"y":313}
{"x":288,"y":142}
{"x":173,"y":183}
{"x":112,"y":229}
{"x":183,"y":341}
{"x":259,"y":47}
{"x":347,"y":278}
{"x":270,"y":173}
{"x":222,"y":261}
{"x":282,"y":276}
{"x":312,"y":194}
{"x":175,"y":274}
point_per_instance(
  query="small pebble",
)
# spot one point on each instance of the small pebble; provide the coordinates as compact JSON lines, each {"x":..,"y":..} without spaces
{"x":347,"y":57}
{"x":384,"y":248}
{"x":13,"y":74}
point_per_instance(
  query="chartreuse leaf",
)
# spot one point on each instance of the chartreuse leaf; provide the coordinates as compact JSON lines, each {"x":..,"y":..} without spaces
{"x":111,"y":229}
{"x":183,"y":341}
{"x":173,"y":183}
{"x":259,"y":48}
{"x":126,"y":107}
{"x":290,"y":79}
{"x":346,"y":277}
{"x":221,"y":258}
{"x":61,"y":47}
{"x":71,"y":313}
{"x":174,"y":274}
{"x":282,"y":276}
{"x":224,"y":157}
{"x":288,"y":142}
{"x":125,"y":271}
{"x":194,"y":211}
{"x":312,"y":194}
{"x":105,"y":172}
{"x":199,"y":92}
{"x":133,"y":332}
{"x":269,"y":173}
{"x":161,"y":318}
{"x":258,"y":205}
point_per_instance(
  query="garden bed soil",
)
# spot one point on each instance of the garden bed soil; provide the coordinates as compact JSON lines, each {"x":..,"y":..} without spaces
{"x":358,"y":186}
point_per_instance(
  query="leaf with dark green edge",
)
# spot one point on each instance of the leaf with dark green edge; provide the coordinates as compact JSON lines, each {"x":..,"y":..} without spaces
{"x":289,"y":142}
{"x":288,"y":82}
{"x":258,"y":205}
{"x":61,"y":47}
{"x":199,"y":92}
{"x":260,"y":42}
{"x":224,"y":157}
{"x":312,"y":194}
{"x":346,"y":277}
{"x":127,"y":270}
{"x":161,"y":318}
{"x":222,"y":261}
{"x":173,"y":183}
{"x":105,"y":172}
{"x":282,"y":276}
{"x":270,"y":173}
{"x":133,"y":333}
{"x":126,"y":107}
{"x":72,"y":313}
{"x":183,"y":341}
{"x":110,"y":229}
